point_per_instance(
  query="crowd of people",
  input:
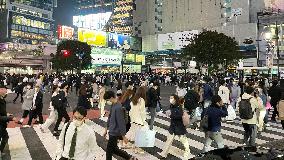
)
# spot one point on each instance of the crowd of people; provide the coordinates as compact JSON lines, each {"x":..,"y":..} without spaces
{"x":135,"y":101}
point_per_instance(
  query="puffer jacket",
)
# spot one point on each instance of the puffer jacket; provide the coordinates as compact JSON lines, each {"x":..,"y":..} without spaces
{"x":255,"y":105}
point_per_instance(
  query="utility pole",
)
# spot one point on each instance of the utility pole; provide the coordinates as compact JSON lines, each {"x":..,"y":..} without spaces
{"x":277,"y":49}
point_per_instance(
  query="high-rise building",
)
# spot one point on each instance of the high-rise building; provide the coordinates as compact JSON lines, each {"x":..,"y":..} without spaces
{"x":121,"y":20}
{"x":27,"y":21}
{"x":85,"y":7}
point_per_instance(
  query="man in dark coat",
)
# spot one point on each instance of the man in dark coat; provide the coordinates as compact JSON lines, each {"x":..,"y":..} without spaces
{"x":19,"y":90}
{"x":152,"y":100}
{"x":36,"y":110}
{"x":275,"y":94}
{"x":4,"y":119}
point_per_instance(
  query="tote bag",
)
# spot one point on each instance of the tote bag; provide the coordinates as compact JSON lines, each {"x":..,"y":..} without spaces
{"x":145,"y":137}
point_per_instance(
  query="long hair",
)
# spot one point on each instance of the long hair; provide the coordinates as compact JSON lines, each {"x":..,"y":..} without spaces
{"x":126,"y":95}
{"x":83,"y":90}
{"x":176,"y":98}
{"x":140,"y":93}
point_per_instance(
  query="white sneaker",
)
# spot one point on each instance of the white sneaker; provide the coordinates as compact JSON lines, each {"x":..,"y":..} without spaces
{"x":267,"y":125}
{"x":26,"y":126}
{"x":186,"y":155}
{"x":162,"y":155}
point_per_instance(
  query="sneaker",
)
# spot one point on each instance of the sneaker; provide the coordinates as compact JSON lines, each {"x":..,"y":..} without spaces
{"x":56,"y":134}
{"x":26,"y":126}
{"x":162,"y":155}
{"x":267,"y":125}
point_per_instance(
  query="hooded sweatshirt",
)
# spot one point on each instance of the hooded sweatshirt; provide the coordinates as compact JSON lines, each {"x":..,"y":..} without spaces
{"x":255,"y":105}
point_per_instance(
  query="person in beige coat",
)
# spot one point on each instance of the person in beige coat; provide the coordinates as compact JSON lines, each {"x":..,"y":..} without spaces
{"x":137,"y":115}
{"x":28,"y":101}
{"x":102,"y":102}
{"x":250,"y":125}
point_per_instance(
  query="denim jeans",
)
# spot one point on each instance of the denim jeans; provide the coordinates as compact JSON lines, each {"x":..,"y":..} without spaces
{"x":234,"y":102}
{"x":209,"y":137}
{"x":153,"y":115}
{"x":250,"y":134}
{"x":207,"y":103}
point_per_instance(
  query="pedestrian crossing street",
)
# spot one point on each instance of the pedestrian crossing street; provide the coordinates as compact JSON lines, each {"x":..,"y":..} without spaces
{"x":32,"y":144}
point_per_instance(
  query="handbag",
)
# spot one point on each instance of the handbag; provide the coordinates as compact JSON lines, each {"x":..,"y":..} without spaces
{"x":145,"y":137}
{"x":231,"y":113}
{"x":268,"y":106}
{"x":198,"y":112}
{"x":185,"y":118}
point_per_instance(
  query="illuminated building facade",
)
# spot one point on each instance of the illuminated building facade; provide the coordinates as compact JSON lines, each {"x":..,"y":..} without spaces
{"x":27,"y":21}
{"x":121,"y":20}
{"x":85,"y":7}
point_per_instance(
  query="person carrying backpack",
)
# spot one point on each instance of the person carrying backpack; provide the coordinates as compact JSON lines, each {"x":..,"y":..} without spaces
{"x":214,"y":114}
{"x":248,"y":106}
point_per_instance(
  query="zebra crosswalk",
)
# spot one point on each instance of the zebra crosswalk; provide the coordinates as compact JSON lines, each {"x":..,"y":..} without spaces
{"x":32,"y":144}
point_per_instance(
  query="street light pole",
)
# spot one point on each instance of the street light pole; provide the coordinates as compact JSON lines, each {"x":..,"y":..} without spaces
{"x":258,"y":27}
{"x":277,"y":49}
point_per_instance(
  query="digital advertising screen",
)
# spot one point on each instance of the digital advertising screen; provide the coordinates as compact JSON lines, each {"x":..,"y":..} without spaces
{"x":92,"y":21}
{"x":92,"y":37}
{"x":132,"y":68}
{"x":112,"y":40}
{"x":106,"y":56}
{"x":123,"y":41}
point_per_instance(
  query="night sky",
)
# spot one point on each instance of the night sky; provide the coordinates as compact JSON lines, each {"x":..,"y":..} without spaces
{"x":64,"y":12}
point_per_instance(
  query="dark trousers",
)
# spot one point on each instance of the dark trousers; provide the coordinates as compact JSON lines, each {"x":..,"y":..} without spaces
{"x":62,"y":113}
{"x":3,"y":137}
{"x":19,"y":93}
{"x":34,"y":114}
{"x":275,"y":111}
{"x":25,"y":114}
{"x":112,"y":149}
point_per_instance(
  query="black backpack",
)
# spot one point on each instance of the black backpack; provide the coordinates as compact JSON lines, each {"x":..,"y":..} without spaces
{"x":245,"y":109}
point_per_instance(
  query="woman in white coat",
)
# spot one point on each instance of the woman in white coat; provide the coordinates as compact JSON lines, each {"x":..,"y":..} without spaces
{"x":137,"y":115}
{"x":28,"y":101}
{"x":53,"y":115}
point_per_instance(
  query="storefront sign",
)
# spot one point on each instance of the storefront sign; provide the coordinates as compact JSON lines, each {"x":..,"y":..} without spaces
{"x":132,"y":68}
{"x":175,"y":41}
{"x":65,"y":32}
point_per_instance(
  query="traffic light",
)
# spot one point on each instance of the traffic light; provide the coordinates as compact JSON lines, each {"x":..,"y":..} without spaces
{"x":66,"y":53}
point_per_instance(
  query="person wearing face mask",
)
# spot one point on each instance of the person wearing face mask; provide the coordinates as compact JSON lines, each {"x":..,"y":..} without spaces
{"x":77,"y":140}
{"x":176,"y":128}
{"x":102,"y":102}
{"x":28,"y":101}
{"x":4,"y":119}
{"x":152,"y":101}
{"x":235,"y":94}
{"x":215,"y":112}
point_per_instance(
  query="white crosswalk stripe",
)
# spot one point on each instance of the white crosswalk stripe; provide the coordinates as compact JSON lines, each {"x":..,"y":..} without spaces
{"x":232,"y":133}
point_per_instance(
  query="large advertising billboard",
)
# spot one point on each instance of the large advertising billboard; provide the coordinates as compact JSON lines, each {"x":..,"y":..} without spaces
{"x":132,"y":68}
{"x":106,"y":56}
{"x":65,"y":32}
{"x":92,"y":37}
{"x":275,"y":4}
{"x":175,"y":41}
{"x":92,"y":21}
